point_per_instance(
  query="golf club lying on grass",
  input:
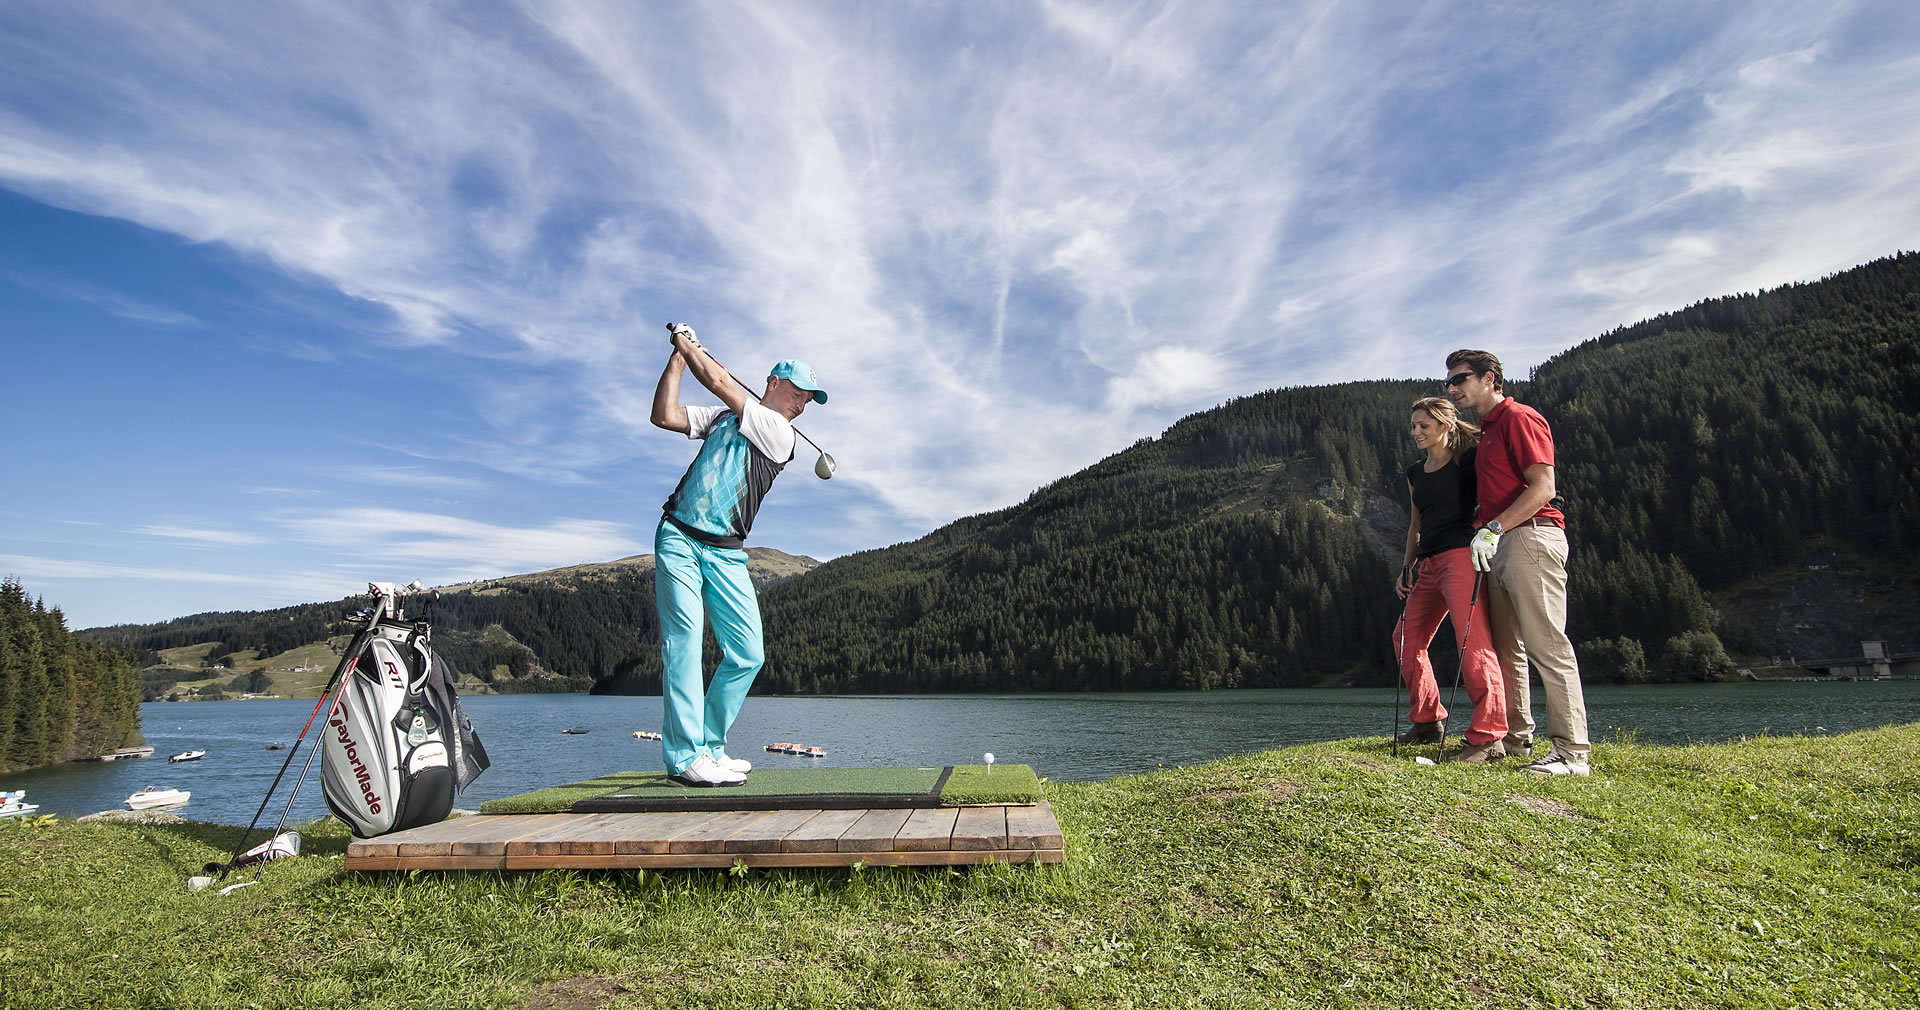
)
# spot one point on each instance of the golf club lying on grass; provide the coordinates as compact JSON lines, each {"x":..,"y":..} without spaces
{"x":823,"y":467}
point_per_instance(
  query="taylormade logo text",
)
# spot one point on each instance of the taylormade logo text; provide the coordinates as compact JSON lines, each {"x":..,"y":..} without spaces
{"x":360,"y":772}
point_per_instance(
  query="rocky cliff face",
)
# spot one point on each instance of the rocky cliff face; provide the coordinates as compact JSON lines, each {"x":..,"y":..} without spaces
{"x":1823,"y":609}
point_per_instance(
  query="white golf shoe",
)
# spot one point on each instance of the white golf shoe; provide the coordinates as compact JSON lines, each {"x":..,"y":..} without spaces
{"x":705,"y":771}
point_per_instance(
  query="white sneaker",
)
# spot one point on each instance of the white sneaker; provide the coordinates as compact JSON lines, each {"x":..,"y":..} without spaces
{"x":705,"y":771}
{"x":1558,"y":762}
{"x":738,"y":765}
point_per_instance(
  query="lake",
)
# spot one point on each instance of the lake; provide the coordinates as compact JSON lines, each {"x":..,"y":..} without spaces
{"x":1063,"y":736}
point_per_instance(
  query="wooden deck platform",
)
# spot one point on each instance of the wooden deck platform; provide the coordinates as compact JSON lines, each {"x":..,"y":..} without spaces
{"x":936,"y":837}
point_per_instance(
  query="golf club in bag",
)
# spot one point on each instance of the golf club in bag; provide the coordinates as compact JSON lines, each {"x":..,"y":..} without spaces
{"x":398,"y":747}
{"x":823,"y":467}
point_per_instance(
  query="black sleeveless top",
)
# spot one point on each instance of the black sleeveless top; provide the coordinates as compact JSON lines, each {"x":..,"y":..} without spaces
{"x":1446,"y":500}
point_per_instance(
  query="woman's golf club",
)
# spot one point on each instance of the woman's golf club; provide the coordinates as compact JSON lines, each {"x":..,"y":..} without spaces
{"x":1472,"y":601}
{"x":823,"y":467}
{"x":1398,"y":681}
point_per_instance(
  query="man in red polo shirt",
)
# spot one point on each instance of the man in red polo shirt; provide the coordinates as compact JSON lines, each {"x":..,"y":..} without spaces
{"x":1522,"y":546}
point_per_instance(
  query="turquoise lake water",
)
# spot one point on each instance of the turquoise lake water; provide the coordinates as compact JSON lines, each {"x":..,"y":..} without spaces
{"x":1063,"y":736}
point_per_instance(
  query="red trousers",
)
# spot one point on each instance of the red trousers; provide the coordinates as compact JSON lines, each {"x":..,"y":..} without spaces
{"x":1444,"y":587}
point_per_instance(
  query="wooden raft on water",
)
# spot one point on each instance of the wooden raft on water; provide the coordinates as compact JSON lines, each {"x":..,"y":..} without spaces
{"x":946,"y":836}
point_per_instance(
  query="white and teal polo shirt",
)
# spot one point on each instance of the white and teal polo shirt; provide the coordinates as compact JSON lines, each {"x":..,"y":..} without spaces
{"x":720,"y":493}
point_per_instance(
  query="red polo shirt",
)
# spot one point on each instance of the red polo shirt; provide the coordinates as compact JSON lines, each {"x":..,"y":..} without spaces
{"x":1513,"y":436}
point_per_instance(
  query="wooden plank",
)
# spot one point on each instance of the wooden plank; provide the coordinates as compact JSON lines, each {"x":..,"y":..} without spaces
{"x":1033,"y":828}
{"x":387,"y":845}
{"x":927,"y":831}
{"x":492,"y":840}
{"x":438,"y":839}
{"x":653,"y":832}
{"x":768,"y":833}
{"x":773,"y":860}
{"x":874,"y":831}
{"x":821,"y":834}
{"x":712,"y":836}
{"x":587,"y":836}
{"x":980,"y":828}
{"x":793,"y":838}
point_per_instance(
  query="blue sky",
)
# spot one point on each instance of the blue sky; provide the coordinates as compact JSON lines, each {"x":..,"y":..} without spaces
{"x":298,"y":296}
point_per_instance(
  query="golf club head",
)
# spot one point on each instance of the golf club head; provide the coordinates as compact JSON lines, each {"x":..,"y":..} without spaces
{"x":824,"y":466}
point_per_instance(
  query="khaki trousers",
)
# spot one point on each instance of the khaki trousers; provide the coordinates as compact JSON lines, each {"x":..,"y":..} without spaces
{"x":1527,"y":599}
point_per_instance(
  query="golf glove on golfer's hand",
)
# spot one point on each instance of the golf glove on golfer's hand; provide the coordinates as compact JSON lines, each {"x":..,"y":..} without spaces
{"x":1484,"y":544}
{"x":675,"y":329}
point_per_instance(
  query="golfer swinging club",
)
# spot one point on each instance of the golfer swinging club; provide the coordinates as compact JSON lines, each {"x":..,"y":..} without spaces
{"x":699,"y":568}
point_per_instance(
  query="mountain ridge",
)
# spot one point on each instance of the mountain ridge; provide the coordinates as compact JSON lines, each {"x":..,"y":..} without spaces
{"x":1703,"y":452}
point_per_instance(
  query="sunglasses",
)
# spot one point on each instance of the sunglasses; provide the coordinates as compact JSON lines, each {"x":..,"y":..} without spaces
{"x":1458,"y":378}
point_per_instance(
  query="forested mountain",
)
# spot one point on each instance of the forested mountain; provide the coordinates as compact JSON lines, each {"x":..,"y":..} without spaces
{"x":1698,"y":451}
{"x":60,"y":697}
{"x":542,"y":632}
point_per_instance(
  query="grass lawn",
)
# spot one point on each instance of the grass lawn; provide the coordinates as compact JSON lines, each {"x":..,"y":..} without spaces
{"x":1771,"y":872}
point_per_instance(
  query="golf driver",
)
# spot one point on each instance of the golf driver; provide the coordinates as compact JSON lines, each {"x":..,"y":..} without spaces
{"x":823,"y":467}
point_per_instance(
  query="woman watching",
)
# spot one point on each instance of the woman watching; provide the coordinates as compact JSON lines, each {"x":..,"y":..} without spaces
{"x":1437,"y":580}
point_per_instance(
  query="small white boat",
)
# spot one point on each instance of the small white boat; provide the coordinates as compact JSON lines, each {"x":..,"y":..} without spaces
{"x":154,"y":796}
{"x":645,"y":734}
{"x":190,"y":755}
{"x":14,"y":804}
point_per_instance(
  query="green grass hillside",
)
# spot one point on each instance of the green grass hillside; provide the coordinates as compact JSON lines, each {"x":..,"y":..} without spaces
{"x":1770,"y":872}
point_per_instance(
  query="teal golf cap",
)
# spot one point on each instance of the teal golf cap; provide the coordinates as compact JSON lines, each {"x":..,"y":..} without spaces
{"x":800,"y":374}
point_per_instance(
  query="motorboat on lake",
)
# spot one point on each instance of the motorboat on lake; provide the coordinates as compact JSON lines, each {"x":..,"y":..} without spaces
{"x":154,"y":796}
{"x":645,"y":734}
{"x":191,"y":755}
{"x":575,"y":732}
{"x":13,"y":803}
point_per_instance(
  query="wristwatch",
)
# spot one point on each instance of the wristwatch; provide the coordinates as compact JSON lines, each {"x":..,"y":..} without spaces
{"x":1494,"y":525}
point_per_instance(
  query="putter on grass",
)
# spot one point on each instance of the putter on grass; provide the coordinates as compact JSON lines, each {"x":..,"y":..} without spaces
{"x":823,"y":467}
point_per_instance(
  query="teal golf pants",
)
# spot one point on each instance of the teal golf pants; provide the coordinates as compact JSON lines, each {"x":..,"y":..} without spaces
{"x":695,"y":584}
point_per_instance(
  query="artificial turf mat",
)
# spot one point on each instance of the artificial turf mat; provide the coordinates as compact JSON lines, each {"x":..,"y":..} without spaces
{"x":786,"y":789}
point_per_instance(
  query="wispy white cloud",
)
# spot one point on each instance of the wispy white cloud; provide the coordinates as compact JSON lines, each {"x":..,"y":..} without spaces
{"x":28,"y":566}
{"x":456,"y":548}
{"x":408,"y":477}
{"x":1012,"y":239}
{"x":226,"y":538}
{"x":112,"y":302}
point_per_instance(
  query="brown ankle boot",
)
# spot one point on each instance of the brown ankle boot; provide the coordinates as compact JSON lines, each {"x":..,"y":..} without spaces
{"x":1481,"y":753}
{"x":1423,"y":732}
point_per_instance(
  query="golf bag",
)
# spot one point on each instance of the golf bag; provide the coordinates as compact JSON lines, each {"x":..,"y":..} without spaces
{"x":397,"y":748}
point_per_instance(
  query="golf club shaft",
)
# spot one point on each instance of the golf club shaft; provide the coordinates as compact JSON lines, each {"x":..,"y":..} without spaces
{"x":340,"y":672}
{"x":758,"y":398}
{"x":1460,"y":670}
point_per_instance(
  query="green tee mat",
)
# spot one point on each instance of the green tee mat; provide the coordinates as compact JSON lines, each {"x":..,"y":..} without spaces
{"x":786,"y":789}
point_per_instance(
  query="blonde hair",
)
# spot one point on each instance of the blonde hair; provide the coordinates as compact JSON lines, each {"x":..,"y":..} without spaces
{"x":1460,"y":434}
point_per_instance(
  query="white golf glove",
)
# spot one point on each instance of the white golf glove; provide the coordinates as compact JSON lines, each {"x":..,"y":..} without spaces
{"x":675,"y":329}
{"x":1484,"y":544}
